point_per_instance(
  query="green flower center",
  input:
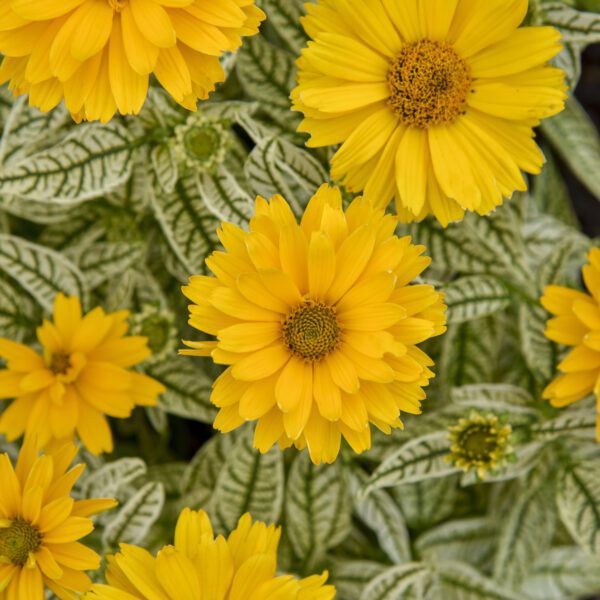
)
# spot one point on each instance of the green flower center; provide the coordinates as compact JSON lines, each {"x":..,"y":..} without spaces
{"x":311,"y":331}
{"x":158,"y":331}
{"x":60,"y":363}
{"x":429,"y":83}
{"x":201,"y":143}
{"x":18,"y":540}
{"x":478,"y":442}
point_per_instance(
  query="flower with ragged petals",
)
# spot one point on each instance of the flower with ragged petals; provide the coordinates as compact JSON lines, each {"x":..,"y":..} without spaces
{"x":433,"y":103}
{"x":201,"y":143}
{"x":480,"y":443}
{"x":318,"y":324}
{"x":241,"y":567}
{"x":576,"y":323}
{"x":40,"y":525}
{"x":99,"y":54}
{"x":81,"y":377}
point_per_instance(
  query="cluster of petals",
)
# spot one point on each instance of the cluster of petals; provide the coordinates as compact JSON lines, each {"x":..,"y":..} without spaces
{"x":198,"y":565}
{"x":40,"y":525}
{"x":81,"y":376}
{"x":98,"y":55}
{"x":317,"y":324}
{"x":433,"y":102}
{"x":576,"y":323}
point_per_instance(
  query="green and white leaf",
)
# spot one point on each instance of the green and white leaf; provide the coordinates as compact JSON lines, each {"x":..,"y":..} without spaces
{"x":575,"y":26}
{"x":187,"y":224}
{"x":539,"y":352}
{"x":165,"y":166}
{"x":248,"y":482}
{"x":578,"y":500}
{"x":381,"y":514}
{"x":40,"y":271}
{"x":495,"y":397}
{"x":563,"y":573}
{"x":317,"y":507}
{"x":135,"y":518}
{"x":18,"y":314}
{"x":284,"y":16}
{"x":460,"y":581}
{"x":471,"y":540}
{"x":88,"y":163}
{"x":527,"y":531}
{"x":351,"y":576}
{"x":200,"y":477}
{"x":267,"y":74}
{"x":188,"y":389}
{"x":576,"y":139}
{"x":404,"y":581}
{"x":470,"y":298}
{"x":225,"y":198}
{"x":276,"y":166}
{"x":106,"y":481}
{"x":419,"y":459}
{"x":103,"y":260}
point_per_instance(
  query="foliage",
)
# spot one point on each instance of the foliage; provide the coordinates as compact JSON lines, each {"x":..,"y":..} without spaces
{"x":114,"y":215}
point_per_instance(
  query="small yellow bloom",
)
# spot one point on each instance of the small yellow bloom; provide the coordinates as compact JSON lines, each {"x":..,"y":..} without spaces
{"x":433,"y":102}
{"x":241,"y":567}
{"x":81,"y":376}
{"x":317,"y":323}
{"x":40,"y":525}
{"x":577,"y":323}
{"x":480,"y":443}
{"x":99,"y":54}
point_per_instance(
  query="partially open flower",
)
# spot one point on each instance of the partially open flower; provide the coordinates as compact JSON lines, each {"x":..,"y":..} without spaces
{"x":480,"y":443}
{"x":201,"y":143}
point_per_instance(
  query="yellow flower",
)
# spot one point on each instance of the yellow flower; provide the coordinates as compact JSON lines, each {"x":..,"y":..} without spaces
{"x":577,"y":323}
{"x":40,"y":525}
{"x":480,"y":443}
{"x":241,"y":567}
{"x":98,"y":54}
{"x":318,"y":324}
{"x":80,"y":377}
{"x":433,"y":101}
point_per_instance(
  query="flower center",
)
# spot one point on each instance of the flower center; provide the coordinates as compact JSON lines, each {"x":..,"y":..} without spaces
{"x":201,"y":142}
{"x":60,"y":363}
{"x":18,"y":540}
{"x":478,"y":442}
{"x":118,"y":5}
{"x":311,"y":331}
{"x":429,"y":83}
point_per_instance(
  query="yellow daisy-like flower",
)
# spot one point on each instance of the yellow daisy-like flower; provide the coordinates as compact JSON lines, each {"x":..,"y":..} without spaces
{"x":480,"y":443}
{"x":98,"y":54}
{"x":317,"y":323}
{"x":81,"y":376}
{"x":241,"y":567}
{"x":40,"y":525}
{"x":433,"y":101}
{"x":577,"y":323}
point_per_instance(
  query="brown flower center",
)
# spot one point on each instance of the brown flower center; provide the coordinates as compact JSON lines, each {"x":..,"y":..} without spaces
{"x":118,"y":5}
{"x":18,"y":540}
{"x":60,"y":363}
{"x":429,"y":83}
{"x":311,"y":331}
